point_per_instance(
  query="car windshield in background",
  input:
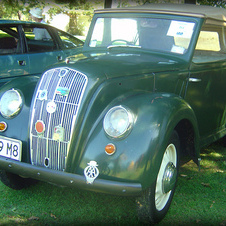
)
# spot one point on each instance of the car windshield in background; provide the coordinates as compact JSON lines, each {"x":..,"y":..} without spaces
{"x":147,"y":33}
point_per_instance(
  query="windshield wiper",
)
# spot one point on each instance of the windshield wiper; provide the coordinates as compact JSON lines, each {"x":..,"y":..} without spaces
{"x":124,"y":46}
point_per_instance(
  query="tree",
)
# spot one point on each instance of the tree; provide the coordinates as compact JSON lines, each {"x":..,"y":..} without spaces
{"x":16,"y":8}
{"x":216,"y":3}
{"x":190,"y":1}
{"x":75,"y":4}
{"x":107,"y":4}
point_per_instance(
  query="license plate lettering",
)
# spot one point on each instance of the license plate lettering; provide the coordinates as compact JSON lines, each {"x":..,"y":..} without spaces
{"x":10,"y":148}
{"x":1,"y":145}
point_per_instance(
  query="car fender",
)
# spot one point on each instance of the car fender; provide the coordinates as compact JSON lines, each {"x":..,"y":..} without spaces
{"x":18,"y":127}
{"x":138,"y":155}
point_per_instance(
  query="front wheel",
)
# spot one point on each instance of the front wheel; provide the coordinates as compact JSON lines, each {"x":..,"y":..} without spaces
{"x":154,"y":203}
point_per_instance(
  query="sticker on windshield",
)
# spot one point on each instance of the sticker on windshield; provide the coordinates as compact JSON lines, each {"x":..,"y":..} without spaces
{"x":181,"y":29}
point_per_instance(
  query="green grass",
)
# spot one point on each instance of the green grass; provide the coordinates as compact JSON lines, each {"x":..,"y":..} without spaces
{"x":199,"y":200}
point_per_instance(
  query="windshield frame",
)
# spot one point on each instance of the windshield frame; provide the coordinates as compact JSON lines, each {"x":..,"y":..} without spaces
{"x":186,"y":56}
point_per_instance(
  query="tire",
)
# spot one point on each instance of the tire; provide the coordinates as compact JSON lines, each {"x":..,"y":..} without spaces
{"x":223,"y":141}
{"x":14,"y":181}
{"x":154,"y":203}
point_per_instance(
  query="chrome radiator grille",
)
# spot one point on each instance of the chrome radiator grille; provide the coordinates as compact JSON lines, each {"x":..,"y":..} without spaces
{"x":54,"y":112}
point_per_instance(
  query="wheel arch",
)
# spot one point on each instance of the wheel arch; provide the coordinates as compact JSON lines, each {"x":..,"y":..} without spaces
{"x":189,"y":145}
{"x":179,"y":116}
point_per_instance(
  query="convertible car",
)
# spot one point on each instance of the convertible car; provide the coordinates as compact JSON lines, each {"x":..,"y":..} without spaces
{"x":21,"y":53}
{"x":144,"y":92}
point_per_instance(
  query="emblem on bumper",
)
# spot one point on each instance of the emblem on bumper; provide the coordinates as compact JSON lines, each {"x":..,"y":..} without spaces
{"x":91,"y":172}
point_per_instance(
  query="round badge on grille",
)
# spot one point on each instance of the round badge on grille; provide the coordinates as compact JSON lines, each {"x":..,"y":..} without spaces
{"x":63,"y":72}
{"x":40,"y":127}
{"x":51,"y":107}
{"x":42,"y":95}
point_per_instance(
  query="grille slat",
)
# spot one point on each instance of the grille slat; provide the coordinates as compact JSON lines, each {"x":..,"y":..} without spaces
{"x":48,"y":149}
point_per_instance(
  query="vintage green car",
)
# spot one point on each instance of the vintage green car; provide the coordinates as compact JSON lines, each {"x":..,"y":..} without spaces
{"x":146,"y":90}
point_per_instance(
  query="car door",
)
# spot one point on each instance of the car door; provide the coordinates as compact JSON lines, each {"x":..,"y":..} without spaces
{"x":206,"y":88}
{"x":68,"y":43}
{"x":13,"y":61}
{"x":42,"y":52}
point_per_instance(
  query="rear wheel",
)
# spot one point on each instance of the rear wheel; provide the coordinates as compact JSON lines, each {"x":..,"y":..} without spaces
{"x":14,"y":181}
{"x":154,"y":203}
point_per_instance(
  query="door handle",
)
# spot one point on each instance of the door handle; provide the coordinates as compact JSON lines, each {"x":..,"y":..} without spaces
{"x":195,"y":80}
{"x":21,"y":62}
{"x":59,"y":58}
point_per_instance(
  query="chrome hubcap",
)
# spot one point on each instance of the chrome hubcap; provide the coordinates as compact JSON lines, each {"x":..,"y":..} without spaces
{"x":169,"y":178}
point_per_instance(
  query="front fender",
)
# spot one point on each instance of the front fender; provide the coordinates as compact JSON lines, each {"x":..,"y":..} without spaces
{"x":18,"y":127}
{"x":138,"y":156}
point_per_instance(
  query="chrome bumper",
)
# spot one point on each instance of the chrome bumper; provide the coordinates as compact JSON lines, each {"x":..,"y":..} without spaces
{"x":69,"y":179}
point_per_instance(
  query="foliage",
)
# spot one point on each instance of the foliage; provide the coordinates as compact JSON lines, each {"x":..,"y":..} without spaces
{"x":126,"y":3}
{"x":16,"y":8}
{"x":72,"y":4}
{"x":79,"y":11}
{"x":216,"y":3}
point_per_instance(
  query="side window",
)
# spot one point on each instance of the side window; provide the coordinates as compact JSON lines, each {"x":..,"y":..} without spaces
{"x":9,"y":40}
{"x":38,"y":39}
{"x":208,"y":41}
{"x":209,"y":47}
{"x":69,"y":41}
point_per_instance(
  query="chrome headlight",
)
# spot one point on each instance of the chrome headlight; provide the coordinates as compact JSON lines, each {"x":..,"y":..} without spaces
{"x":118,"y":122}
{"x":10,"y":103}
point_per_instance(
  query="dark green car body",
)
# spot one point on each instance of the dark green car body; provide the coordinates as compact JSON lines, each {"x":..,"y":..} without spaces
{"x":63,"y":122}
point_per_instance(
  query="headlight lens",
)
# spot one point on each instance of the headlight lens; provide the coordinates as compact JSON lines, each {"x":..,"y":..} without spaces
{"x":10,"y":103}
{"x":118,"y":122}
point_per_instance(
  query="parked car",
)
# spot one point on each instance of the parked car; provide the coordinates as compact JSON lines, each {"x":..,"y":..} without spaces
{"x":21,"y":54}
{"x":146,"y":91}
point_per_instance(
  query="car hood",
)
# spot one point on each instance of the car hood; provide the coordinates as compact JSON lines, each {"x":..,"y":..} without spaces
{"x":116,"y":64}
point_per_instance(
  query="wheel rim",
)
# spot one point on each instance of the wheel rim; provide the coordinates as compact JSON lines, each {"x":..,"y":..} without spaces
{"x":169,"y":158}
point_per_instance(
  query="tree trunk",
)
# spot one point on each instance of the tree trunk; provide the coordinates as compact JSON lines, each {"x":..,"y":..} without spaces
{"x":190,"y":1}
{"x":107,"y":4}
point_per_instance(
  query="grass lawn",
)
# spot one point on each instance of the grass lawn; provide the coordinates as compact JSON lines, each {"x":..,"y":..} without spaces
{"x":200,"y":199}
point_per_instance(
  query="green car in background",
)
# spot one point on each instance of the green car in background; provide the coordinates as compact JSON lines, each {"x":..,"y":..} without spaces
{"x":22,"y":54}
{"x":146,"y":90}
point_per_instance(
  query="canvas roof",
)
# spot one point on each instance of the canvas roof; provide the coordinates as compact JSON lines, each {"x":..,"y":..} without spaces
{"x":215,"y":13}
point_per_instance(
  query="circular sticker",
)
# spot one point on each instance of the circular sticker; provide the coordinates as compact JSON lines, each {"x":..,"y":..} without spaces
{"x":51,"y":107}
{"x":40,"y":127}
{"x":43,"y":95}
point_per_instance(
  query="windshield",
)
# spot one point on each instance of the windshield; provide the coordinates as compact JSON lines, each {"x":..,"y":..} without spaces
{"x":147,"y":33}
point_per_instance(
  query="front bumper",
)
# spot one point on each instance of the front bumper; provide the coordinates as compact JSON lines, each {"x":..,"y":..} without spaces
{"x":69,"y":179}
